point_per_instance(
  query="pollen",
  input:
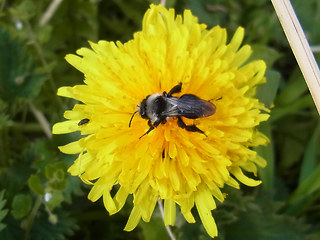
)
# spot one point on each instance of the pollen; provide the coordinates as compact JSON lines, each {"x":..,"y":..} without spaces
{"x":184,"y":169}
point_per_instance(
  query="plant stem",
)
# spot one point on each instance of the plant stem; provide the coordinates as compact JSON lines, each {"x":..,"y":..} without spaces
{"x":49,"y":12}
{"x":300,"y":47}
{"x":31,"y":217}
{"x":42,"y":120}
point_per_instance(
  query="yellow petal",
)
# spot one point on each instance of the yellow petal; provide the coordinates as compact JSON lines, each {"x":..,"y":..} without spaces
{"x":65,"y":92}
{"x":108,"y":202}
{"x":120,"y":199}
{"x":206,"y":216}
{"x":169,"y":212}
{"x":237,"y":172}
{"x":133,"y":220}
{"x":233,"y":183}
{"x":236,"y":39}
{"x":71,"y":148}
{"x":96,"y":192}
{"x":65,"y":127}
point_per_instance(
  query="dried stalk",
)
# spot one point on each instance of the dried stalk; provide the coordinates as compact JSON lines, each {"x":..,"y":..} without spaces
{"x":300,"y":47}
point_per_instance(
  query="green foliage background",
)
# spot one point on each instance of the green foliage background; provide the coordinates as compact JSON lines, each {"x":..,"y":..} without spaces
{"x":40,"y":200}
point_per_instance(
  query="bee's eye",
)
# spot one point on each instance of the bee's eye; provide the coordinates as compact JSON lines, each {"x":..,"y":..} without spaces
{"x":143,"y":115}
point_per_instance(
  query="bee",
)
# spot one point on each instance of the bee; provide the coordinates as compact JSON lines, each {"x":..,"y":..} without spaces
{"x":159,"y":108}
{"x":83,"y":121}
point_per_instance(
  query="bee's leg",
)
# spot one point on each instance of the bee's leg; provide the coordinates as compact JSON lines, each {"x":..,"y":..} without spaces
{"x":149,"y":130}
{"x":175,"y":89}
{"x":152,"y":126}
{"x":190,"y":128}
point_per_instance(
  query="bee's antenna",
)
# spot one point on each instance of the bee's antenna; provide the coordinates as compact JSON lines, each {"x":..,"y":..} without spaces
{"x":215,"y":99}
{"x":132,"y":117}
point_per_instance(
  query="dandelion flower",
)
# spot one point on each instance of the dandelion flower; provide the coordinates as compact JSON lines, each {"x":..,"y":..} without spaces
{"x":180,"y":167}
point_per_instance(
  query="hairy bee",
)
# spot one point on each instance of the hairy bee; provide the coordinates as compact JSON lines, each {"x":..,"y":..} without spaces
{"x":158,"y":108}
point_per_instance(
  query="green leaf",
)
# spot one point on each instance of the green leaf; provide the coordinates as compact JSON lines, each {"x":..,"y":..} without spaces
{"x":293,"y":108}
{"x":21,"y":205}
{"x":63,"y":228}
{"x":264,"y":226}
{"x":53,"y":171}
{"x":266,"y":93}
{"x":25,"y":10}
{"x":55,"y":200}
{"x":268,"y":54}
{"x":35,"y":185}
{"x":309,"y":161}
{"x":308,"y":13}
{"x":5,"y":121}
{"x":56,"y":172}
{"x":267,"y":173}
{"x":199,"y":9}
{"x":43,"y":33}
{"x":17,"y":77}
{"x":261,"y":220}
{"x":293,"y":90}
{"x":130,"y":10}
{"x":306,"y":193}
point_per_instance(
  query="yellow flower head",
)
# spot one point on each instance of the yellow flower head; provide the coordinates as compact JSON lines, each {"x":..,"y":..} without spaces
{"x":183,"y":167}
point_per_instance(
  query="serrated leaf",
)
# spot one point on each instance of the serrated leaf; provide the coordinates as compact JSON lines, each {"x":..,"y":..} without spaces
{"x":63,"y":228}
{"x":35,"y":185}
{"x":21,"y":205}
{"x":17,"y":78}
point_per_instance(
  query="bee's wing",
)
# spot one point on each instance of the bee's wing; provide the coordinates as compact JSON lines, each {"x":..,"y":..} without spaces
{"x":189,"y":106}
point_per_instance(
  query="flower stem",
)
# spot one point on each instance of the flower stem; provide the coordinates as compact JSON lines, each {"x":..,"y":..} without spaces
{"x":49,"y":12}
{"x":31,"y":217}
{"x":300,"y":47}
{"x":42,"y":120}
{"x":172,"y":237}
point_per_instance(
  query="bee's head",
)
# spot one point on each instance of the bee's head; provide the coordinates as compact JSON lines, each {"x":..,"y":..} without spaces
{"x":142,"y":108}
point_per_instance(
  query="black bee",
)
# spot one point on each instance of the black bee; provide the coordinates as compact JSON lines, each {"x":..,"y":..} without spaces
{"x":83,"y":121}
{"x":158,"y":108}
